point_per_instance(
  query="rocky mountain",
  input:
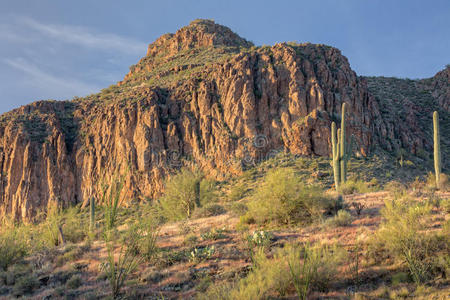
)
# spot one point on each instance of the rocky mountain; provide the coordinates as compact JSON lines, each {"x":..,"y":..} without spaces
{"x":208,"y":97}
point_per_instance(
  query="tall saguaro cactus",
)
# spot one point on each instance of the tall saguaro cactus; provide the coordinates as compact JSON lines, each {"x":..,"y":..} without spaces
{"x":437,"y":149}
{"x":339,"y":151}
{"x":92,"y":211}
{"x":343,"y":148}
{"x":335,"y":153}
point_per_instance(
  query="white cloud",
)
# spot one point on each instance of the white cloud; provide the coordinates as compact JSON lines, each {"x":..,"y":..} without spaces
{"x":62,"y":87}
{"x":85,"y":37}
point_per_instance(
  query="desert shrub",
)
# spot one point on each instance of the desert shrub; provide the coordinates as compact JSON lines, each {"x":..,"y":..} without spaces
{"x":284,"y":199}
{"x":237,"y":192}
{"x":190,"y":239}
{"x":184,"y":192}
{"x":214,"y":234}
{"x":402,"y":235}
{"x":25,"y":285}
{"x":118,"y":268}
{"x":49,"y":228}
{"x":75,"y":226}
{"x":342,"y":218}
{"x":74,"y":282}
{"x":352,"y":186}
{"x":312,"y":267}
{"x":147,"y":244}
{"x":110,"y":198}
{"x":13,"y":246}
{"x":266,"y":277}
{"x":305,"y":267}
{"x":217,"y":291}
{"x":397,"y":189}
{"x":238,"y":209}
{"x":209,"y":210}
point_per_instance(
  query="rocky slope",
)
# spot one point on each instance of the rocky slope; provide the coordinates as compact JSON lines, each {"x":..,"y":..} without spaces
{"x":201,"y":96}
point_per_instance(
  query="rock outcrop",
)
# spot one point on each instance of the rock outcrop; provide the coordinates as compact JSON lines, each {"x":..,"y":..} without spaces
{"x":201,"y":96}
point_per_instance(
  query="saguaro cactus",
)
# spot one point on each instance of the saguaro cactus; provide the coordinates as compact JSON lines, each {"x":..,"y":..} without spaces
{"x":335,"y":153}
{"x":437,"y":149}
{"x":92,"y":211}
{"x":339,"y":151}
{"x":343,"y":148}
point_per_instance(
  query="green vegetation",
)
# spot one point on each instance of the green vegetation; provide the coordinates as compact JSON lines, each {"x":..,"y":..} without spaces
{"x":184,"y":192}
{"x":403,"y":235}
{"x":92,"y":214}
{"x":284,"y":199}
{"x":340,"y":151}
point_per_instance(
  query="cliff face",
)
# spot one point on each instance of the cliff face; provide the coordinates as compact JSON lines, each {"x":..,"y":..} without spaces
{"x":201,"y":96}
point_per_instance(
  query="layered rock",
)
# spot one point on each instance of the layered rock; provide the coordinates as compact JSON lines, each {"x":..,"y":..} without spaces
{"x":202,"y":96}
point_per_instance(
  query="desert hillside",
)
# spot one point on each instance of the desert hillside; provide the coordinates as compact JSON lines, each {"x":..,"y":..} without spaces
{"x":209,"y":172}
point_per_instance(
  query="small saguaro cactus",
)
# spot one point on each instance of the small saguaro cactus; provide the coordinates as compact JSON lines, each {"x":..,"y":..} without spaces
{"x":343,"y":148}
{"x":437,"y":149}
{"x":92,"y":211}
{"x":335,"y":153}
{"x":340,"y":151}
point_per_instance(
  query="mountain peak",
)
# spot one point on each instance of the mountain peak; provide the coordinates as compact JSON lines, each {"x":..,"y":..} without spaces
{"x":199,"y":33}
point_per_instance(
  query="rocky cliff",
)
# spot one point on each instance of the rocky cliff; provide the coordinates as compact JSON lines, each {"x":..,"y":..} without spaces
{"x":202,"y":96}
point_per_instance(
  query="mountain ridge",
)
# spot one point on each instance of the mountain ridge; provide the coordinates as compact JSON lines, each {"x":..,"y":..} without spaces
{"x":202,"y":96}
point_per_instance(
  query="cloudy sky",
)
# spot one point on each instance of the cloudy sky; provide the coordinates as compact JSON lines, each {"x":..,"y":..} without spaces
{"x":53,"y":49}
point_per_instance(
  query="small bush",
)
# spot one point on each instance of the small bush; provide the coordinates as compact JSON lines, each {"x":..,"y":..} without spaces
{"x":293,"y":266}
{"x":25,"y":285}
{"x":266,"y":277}
{"x":342,"y":218}
{"x":402,"y":235}
{"x":312,"y":267}
{"x":74,"y":282}
{"x":214,"y":234}
{"x":238,"y":209}
{"x":147,"y":230}
{"x":184,"y":192}
{"x":237,"y":192}
{"x":13,"y":247}
{"x":284,"y":199}
{"x":209,"y":210}
{"x":352,"y":186}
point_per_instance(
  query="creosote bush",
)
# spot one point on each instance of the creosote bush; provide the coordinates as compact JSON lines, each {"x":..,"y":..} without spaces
{"x":284,"y":199}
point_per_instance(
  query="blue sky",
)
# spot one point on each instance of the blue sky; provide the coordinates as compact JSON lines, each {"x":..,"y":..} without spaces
{"x":53,"y":49}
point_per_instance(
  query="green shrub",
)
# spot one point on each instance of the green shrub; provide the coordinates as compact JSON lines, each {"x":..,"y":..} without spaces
{"x":342,"y":218}
{"x":238,"y":209}
{"x":284,"y":199}
{"x":312,"y":267}
{"x":25,"y":285}
{"x":291,"y":266}
{"x":118,"y":268}
{"x":267,"y":276}
{"x":237,"y":192}
{"x":402,"y":235}
{"x":13,"y":246}
{"x":209,"y":210}
{"x":146,"y":231}
{"x":74,"y":282}
{"x":214,"y":234}
{"x":353,"y":186}
{"x":184,"y":192}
